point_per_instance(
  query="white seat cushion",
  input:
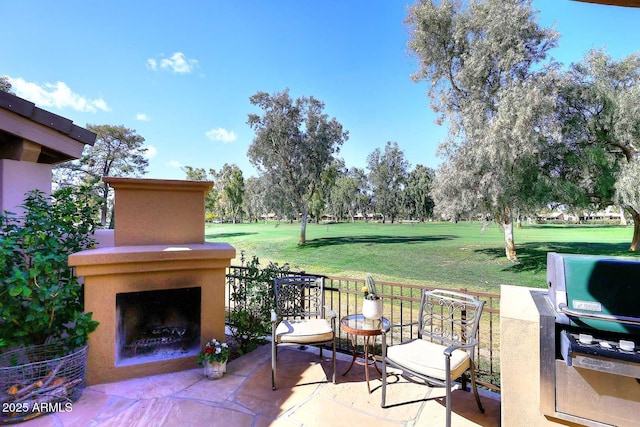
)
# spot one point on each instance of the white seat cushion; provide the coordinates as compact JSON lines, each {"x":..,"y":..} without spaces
{"x":304,"y":331}
{"x":428,"y":359}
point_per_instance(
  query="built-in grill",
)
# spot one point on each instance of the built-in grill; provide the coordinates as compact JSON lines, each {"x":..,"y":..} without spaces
{"x":590,"y":340}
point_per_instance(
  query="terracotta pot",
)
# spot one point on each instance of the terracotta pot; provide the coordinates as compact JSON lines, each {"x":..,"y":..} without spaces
{"x":372,"y":309}
{"x":214,"y":370}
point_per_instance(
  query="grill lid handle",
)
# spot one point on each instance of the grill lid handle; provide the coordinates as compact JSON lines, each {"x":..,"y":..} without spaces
{"x":635,"y":321}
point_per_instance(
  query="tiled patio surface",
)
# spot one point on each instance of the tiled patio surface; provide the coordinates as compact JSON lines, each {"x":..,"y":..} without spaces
{"x":243,"y":397}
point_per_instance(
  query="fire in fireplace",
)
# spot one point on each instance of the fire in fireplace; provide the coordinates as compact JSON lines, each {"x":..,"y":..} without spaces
{"x":157,"y":325}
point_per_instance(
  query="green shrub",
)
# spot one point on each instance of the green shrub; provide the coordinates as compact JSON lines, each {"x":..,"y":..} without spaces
{"x":252,"y":297}
{"x":41,"y":298}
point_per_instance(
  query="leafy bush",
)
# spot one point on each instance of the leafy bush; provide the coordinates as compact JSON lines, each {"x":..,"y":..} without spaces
{"x":252,"y":296}
{"x":41,"y":299}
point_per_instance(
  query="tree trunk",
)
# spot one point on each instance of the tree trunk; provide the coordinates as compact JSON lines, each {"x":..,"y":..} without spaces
{"x":105,"y":206}
{"x":623,"y":216}
{"x":509,"y":243}
{"x":303,"y":226}
{"x":635,"y":242}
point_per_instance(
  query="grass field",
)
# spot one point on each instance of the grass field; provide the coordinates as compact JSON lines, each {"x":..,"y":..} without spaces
{"x":452,"y":255}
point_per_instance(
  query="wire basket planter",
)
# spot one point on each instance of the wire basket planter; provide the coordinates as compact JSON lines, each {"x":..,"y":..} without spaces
{"x":36,"y":380}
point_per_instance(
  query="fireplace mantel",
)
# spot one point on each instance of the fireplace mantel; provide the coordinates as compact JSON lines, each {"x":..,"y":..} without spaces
{"x":137,"y":259}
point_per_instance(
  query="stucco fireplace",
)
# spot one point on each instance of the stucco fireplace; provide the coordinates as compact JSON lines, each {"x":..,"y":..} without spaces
{"x":158,"y":292}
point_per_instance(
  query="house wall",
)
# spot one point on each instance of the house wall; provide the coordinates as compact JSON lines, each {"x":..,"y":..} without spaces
{"x":17,"y":178}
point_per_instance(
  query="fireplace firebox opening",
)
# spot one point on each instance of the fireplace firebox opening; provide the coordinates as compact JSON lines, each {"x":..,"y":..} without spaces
{"x":157,"y":325}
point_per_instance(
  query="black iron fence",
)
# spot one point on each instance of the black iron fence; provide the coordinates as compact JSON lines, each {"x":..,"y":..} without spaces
{"x":401,"y":306}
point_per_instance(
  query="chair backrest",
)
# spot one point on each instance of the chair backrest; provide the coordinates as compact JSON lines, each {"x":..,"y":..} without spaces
{"x":449,"y":317}
{"x":299,"y":296}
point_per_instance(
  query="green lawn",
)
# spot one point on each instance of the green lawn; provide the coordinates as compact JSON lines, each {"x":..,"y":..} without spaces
{"x":452,"y":255}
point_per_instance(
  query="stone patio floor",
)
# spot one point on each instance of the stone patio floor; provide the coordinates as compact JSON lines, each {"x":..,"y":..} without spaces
{"x":243,"y":397}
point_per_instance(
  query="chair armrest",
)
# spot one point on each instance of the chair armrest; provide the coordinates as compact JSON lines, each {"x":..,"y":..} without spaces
{"x":332,"y":313}
{"x":399,"y":325}
{"x":274,"y":317}
{"x":449,"y":350}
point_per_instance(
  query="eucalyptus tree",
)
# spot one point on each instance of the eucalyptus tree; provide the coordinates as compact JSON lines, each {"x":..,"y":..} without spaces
{"x":350,"y":194}
{"x":252,"y":202}
{"x":387,"y":177}
{"x":295,"y":142}
{"x":320,"y":201}
{"x":229,"y":183}
{"x":481,"y":58}
{"x":117,"y":151}
{"x":600,"y":113}
{"x":5,"y":84}
{"x":628,"y":194}
{"x":417,"y":194}
{"x":336,"y":203}
{"x":262,"y":199}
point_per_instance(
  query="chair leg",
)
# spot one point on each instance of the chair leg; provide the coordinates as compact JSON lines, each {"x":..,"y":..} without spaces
{"x":334,"y":360}
{"x":448,"y":395}
{"x":274,"y":354}
{"x":384,"y":383}
{"x":475,"y":388}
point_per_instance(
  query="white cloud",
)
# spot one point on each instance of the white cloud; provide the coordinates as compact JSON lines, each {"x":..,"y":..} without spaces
{"x":178,"y":63}
{"x":174,"y":164}
{"x":152,"y":64}
{"x":56,"y":95}
{"x":142,"y":117}
{"x":221,"y":134}
{"x":151,"y":152}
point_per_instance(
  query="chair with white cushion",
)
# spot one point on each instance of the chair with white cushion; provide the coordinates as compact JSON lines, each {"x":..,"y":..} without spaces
{"x":298,"y":317}
{"x":444,"y":350}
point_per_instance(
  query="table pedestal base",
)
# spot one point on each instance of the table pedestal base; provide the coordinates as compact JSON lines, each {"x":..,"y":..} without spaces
{"x":368,"y":358}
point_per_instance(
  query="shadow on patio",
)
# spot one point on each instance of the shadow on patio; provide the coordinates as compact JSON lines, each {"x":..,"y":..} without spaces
{"x":243,"y":397}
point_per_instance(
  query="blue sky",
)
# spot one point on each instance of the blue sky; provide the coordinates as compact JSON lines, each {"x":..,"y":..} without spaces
{"x":181,"y":73}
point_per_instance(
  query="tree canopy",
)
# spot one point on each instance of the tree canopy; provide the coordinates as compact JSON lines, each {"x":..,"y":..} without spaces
{"x":479,"y":57}
{"x":417,"y":194}
{"x":5,"y":84}
{"x":349,"y":196}
{"x":230,"y":183}
{"x":600,"y":116}
{"x":388,"y":172}
{"x":294,"y":143}
{"x":118,"y":151}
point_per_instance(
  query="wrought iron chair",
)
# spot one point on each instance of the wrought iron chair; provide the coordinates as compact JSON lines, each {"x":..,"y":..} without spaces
{"x":299,"y":317}
{"x":444,"y":350}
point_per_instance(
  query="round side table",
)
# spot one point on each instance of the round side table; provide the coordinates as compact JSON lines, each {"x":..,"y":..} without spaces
{"x":357,"y":325}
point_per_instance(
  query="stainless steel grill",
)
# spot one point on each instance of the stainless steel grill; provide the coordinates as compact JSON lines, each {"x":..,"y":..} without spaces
{"x":590,"y":340}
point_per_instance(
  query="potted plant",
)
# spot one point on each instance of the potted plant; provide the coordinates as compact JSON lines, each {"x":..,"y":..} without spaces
{"x":43,"y":328}
{"x":214,"y":357}
{"x":372,"y":303}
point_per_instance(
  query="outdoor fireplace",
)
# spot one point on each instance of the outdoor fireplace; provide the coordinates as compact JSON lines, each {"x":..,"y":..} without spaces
{"x":158,"y":293}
